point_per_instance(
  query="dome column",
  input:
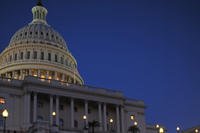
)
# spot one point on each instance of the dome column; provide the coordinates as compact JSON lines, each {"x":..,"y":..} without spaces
{"x":30,"y":72}
{"x":63,"y":77}
{"x":47,"y":74}
{"x":55,"y":75}
{"x":6,"y":75}
{"x":39,"y":73}
{"x":21,"y":74}
{"x":13,"y":74}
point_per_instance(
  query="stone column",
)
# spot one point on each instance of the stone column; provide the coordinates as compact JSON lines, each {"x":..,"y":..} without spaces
{"x":104,"y":117}
{"x":118,"y":120}
{"x":35,"y":107}
{"x":100,"y":117}
{"x":72,"y":112}
{"x":122,"y":120}
{"x":57,"y":110}
{"x":86,"y":112}
{"x":51,"y":110}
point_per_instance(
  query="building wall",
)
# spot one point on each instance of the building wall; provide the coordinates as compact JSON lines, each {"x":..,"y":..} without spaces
{"x":17,"y":94}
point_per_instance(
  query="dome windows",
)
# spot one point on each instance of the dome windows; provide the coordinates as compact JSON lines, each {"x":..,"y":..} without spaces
{"x":49,"y":56}
{"x":28,"y":54}
{"x":35,"y":55}
{"x":21,"y":55}
{"x":15,"y":57}
{"x":56,"y":58}
{"x":42,"y":56}
{"x":61,"y":60}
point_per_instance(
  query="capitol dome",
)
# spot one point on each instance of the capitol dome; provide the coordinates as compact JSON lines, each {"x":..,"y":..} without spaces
{"x":38,"y":50}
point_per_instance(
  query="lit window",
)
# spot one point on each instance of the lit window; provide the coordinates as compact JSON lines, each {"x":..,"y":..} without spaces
{"x":2,"y":101}
{"x":132,"y":117}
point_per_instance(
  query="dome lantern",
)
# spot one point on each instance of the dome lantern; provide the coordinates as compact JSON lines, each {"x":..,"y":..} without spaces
{"x":39,"y":13}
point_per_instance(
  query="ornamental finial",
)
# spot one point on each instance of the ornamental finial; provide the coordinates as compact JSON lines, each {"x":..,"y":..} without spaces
{"x":39,"y":3}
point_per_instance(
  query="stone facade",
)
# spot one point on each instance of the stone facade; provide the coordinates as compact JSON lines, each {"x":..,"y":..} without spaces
{"x":33,"y":100}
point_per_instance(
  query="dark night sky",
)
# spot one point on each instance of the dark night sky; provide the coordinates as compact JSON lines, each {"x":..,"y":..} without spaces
{"x":149,"y":49}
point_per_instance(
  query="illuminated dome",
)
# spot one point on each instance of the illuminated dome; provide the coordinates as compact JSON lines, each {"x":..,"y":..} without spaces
{"x":38,"y":50}
{"x":38,"y":33}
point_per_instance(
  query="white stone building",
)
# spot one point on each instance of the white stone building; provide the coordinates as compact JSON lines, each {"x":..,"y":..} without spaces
{"x":43,"y":91}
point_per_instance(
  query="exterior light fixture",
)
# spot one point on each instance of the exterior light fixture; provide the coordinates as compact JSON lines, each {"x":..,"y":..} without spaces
{"x":157,"y":126}
{"x":161,"y":130}
{"x":135,"y":123}
{"x":5,"y":115}
{"x":132,"y":117}
{"x":178,"y":129}
{"x":111,"y":120}
{"x":54,"y":113}
{"x":196,"y":130}
{"x":84,"y":117}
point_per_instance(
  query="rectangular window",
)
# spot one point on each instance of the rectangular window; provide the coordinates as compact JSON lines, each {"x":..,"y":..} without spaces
{"x":35,"y":55}
{"x":56,"y":58}
{"x":21,"y":55}
{"x":28,"y":55}
{"x":49,"y":56}
{"x":42,"y":56}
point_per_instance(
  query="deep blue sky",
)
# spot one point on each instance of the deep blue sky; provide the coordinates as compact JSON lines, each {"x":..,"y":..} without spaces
{"x":149,"y":49}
